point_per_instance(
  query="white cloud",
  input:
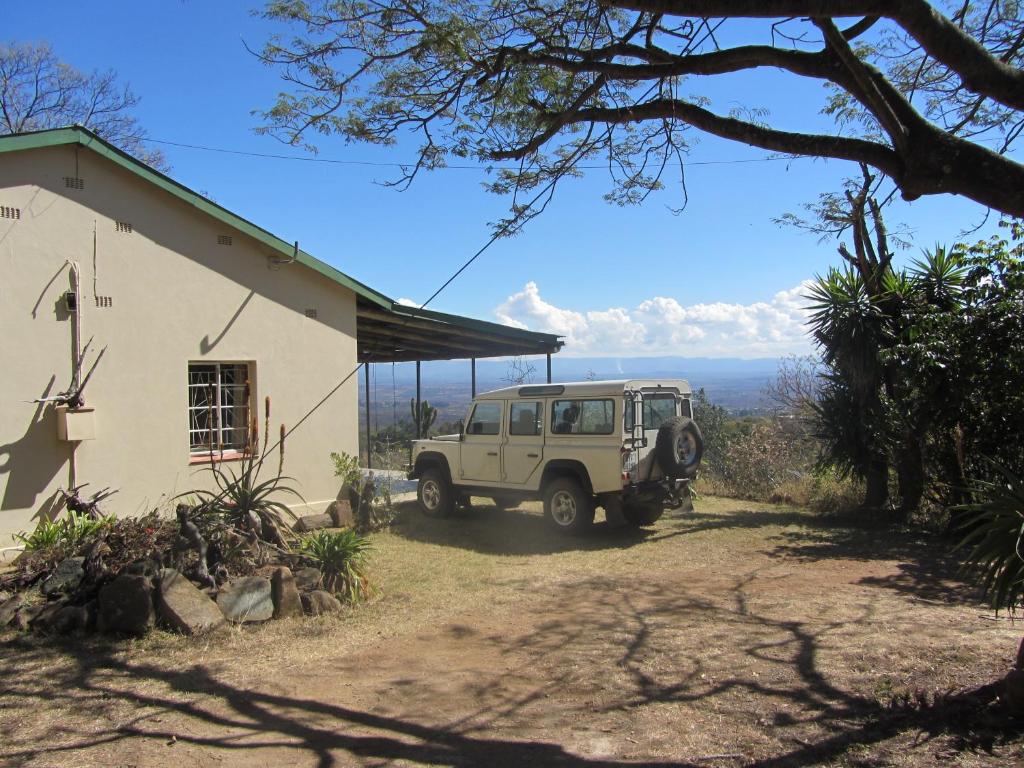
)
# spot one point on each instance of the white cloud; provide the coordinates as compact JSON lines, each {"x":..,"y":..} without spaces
{"x":662,"y":326}
{"x":408,"y":303}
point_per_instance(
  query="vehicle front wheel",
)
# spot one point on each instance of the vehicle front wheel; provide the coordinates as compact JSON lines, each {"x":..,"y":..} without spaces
{"x":434,"y":493}
{"x":640,"y":515}
{"x":567,"y":506}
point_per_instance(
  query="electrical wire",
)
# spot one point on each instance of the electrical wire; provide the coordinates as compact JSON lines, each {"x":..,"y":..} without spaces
{"x":457,"y":167}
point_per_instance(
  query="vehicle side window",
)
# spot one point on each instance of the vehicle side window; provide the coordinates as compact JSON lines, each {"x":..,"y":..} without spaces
{"x":582,"y":417}
{"x":525,"y":418}
{"x":486,"y":419}
{"x":687,"y":408}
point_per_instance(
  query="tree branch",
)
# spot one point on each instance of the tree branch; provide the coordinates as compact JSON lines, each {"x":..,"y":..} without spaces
{"x":943,"y":40}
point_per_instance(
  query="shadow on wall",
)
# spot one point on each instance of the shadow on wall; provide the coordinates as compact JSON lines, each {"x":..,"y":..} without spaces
{"x":30,"y":463}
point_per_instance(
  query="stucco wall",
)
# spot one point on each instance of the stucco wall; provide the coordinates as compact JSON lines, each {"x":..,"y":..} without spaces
{"x":177,"y":296}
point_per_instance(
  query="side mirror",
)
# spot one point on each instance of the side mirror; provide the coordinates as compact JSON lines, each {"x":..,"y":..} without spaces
{"x":462,"y":430}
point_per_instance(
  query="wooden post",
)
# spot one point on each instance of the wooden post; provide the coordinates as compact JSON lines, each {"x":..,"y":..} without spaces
{"x":472,"y":368}
{"x":418,"y":435}
{"x":549,"y":367}
{"x":366,"y":381}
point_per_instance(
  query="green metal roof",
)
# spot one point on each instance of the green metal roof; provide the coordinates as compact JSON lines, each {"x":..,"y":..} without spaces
{"x":517,"y":340}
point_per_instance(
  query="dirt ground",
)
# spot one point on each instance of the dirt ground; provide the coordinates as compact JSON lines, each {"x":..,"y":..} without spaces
{"x":737,"y":635}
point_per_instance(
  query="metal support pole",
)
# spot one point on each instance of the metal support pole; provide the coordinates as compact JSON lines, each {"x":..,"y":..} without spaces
{"x":549,"y":367}
{"x":418,"y":435}
{"x":366,"y":382}
{"x":472,"y":368}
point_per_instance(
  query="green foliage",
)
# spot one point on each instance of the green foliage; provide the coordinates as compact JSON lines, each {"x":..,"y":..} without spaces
{"x":347,"y":468}
{"x":712,"y":420}
{"x":342,"y":558}
{"x":370,"y":498}
{"x":63,"y":535}
{"x":994,"y":526}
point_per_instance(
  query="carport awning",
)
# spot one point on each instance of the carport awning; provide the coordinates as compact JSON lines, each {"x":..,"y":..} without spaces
{"x":402,"y":334}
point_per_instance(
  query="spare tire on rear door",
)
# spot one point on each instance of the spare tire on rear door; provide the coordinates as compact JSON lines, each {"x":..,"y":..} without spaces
{"x":679,"y":447}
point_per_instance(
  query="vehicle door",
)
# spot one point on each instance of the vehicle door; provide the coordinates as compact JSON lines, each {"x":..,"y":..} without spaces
{"x":523,"y":448}
{"x":658,"y":407}
{"x":481,"y":443}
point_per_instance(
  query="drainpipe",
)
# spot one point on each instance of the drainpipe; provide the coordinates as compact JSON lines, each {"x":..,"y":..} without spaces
{"x":76,"y":357}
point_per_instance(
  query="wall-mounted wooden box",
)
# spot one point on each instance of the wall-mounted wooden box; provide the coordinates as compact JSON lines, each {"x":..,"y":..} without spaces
{"x":75,"y":423}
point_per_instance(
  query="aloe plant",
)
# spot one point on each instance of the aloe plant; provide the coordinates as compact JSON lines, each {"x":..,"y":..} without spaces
{"x":342,"y":558}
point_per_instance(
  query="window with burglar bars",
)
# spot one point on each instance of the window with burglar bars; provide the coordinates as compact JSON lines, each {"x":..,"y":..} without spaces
{"x":218,"y":407}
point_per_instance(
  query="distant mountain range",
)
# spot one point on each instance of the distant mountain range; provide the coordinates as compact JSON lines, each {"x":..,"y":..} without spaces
{"x":734,"y":383}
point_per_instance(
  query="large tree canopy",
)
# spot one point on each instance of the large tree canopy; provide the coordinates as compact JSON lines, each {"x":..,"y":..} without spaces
{"x":38,"y":91}
{"x":934,"y":101}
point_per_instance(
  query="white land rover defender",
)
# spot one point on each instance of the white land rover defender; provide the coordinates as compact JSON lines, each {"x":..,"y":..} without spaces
{"x":630,"y":447}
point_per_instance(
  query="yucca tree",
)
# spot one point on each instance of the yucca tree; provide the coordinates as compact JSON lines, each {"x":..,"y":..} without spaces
{"x":849,"y":327}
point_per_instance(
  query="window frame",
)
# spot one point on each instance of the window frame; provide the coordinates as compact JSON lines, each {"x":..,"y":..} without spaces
{"x":582,"y":400}
{"x":221,"y":451}
{"x":501,"y":415}
{"x":538,"y":417}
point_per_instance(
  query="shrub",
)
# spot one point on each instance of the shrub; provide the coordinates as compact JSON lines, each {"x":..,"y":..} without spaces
{"x":342,"y":558}
{"x":370,"y":499}
{"x":64,"y":535}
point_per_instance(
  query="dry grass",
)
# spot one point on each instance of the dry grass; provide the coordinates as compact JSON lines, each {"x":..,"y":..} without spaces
{"x":760,"y":632}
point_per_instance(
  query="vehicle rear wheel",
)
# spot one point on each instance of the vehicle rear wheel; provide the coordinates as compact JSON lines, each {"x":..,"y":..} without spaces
{"x":640,"y":515}
{"x":679,"y":447}
{"x":435,"y":494}
{"x":567,"y":506}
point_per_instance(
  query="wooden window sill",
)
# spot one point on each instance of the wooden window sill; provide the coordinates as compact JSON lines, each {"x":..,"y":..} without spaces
{"x":216,"y":458}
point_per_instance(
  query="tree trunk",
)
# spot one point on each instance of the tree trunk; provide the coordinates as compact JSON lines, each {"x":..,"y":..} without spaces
{"x":876,"y":495}
{"x":910,"y":472}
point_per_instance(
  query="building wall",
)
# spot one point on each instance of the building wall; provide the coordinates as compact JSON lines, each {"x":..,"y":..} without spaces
{"x":176,"y":296}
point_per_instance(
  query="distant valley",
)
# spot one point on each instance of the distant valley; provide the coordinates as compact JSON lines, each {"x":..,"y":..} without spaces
{"x":736,"y":384}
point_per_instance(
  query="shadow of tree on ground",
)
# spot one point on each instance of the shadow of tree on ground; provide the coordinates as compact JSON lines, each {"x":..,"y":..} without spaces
{"x":620,"y":652}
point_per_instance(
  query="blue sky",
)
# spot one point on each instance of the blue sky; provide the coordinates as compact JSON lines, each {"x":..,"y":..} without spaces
{"x":720,"y":279}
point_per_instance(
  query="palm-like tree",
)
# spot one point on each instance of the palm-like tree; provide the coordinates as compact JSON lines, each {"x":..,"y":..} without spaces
{"x":849,"y":327}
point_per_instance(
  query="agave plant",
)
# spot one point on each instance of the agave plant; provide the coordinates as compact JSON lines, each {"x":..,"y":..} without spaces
{"x":994,"y":526}
{"x":342,"y":558}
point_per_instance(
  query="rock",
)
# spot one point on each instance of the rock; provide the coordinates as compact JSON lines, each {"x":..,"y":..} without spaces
{"x":246,"y":599}
{"x":70,"y":618}
{"x":65,"y":577}
{"x":126,"y":605}
{"x":318,"y":602}
{"x":4,"y":596}
{"x":8,"y":608}
{"x":285,"y":594}
{"x":183,"y":606}
{"x":26,"y":615}
{"x":313,"y":522}
{"x":43,"y":620}
{"x":341,"y":513}
{"x":308,"y":579}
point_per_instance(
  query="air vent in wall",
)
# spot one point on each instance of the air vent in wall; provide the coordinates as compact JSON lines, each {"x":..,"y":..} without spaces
{"x":6,"y":212}
{"x":123,"y":226}
{"x":223,"y":239}
{"x":311,"y":313}
{"x":73,"y":182}
{"x":104,"y":301}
